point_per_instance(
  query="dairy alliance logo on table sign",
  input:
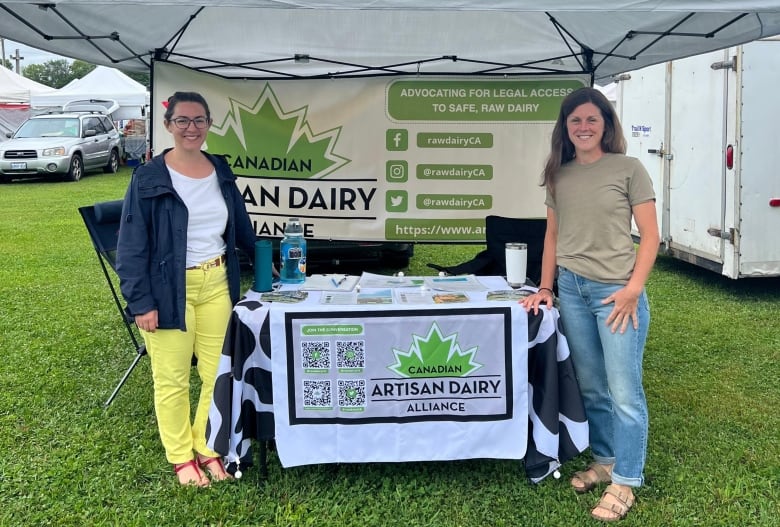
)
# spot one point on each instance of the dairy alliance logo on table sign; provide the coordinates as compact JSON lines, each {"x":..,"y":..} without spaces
{"x":435,"y":377}
{"x":426,"y":364}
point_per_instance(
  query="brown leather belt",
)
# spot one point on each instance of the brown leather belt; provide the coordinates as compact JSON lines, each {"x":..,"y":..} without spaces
{"x":216,"y":262}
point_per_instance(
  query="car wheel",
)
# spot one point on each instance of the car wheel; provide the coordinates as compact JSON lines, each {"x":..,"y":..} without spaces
{"x":113,"y":163}
{"x":76,"y":169}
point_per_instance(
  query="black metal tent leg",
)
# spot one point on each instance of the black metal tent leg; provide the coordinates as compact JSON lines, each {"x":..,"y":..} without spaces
{"x":141,"y":353}
{"x":263,"y":462}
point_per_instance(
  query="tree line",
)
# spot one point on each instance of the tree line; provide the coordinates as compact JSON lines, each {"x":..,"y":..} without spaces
{"x":57,"y":73}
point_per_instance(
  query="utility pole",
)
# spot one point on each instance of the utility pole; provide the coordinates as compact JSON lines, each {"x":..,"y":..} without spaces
{"x":17,"y":58}
{"x":2,"y":51}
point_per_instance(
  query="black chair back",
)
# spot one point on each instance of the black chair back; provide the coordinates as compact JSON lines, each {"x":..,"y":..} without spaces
{"x":102,"y":221}
{"x":499,"y":231}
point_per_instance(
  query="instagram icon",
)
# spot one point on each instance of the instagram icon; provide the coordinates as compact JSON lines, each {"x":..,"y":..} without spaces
{"x":397,"y":171}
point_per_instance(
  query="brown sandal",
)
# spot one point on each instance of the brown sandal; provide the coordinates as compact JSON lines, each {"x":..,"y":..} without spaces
{"x":619,"y":507}
{"x":201,"y":481}
{"x":590,"y":483}
{"x":215,"y":467}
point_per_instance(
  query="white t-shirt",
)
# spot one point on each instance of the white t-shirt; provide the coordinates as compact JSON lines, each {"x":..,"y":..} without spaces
{"x":208,"y":216}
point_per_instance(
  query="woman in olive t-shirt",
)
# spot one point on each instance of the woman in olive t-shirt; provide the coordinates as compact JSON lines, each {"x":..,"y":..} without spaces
{"x":593,"y":192}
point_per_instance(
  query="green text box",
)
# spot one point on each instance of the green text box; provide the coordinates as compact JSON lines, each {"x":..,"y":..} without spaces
{"x":512,"y":100}
{"x":454,"y":140}
{"x":435,"y":230}
{"x":455,"y":172}
{"x":331,"y":329}
{"x":454,"y":201}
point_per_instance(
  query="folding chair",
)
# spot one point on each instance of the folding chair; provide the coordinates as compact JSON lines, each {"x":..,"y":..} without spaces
{"x":499,"y":231}
{"x":102,"y":222}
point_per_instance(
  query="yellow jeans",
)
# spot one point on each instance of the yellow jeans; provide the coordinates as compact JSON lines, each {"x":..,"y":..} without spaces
{"x":208,"y":310}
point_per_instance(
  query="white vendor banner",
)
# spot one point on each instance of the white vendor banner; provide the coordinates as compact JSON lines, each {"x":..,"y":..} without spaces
{"x":391,"y":384}
{"x":407,"y":159}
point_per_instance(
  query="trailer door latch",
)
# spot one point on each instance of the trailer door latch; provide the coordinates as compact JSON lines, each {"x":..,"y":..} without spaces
{"x":660,"y":152}
{"x":726,"y":235}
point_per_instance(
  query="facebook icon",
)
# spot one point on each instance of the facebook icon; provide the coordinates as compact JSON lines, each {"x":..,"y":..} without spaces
{"x":397,"y":139}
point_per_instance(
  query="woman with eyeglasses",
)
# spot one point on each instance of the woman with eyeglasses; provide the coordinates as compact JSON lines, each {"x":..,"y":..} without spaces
{"x":182,"y":219}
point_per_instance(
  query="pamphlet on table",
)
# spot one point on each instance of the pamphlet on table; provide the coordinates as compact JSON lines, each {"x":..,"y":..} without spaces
{"x":374,"y":289}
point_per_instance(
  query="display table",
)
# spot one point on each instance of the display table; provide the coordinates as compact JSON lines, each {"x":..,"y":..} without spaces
{"x":135,"y":146}
{"x":397,"y":382}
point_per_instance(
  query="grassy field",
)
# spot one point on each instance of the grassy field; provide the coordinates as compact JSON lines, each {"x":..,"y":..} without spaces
{"x":712,"y":369}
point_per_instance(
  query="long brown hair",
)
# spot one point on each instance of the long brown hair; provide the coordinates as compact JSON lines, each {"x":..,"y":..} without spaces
{"x":561,"y":147}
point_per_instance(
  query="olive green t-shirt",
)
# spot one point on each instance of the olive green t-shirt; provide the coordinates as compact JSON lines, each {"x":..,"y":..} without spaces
{"x":592,"y":205}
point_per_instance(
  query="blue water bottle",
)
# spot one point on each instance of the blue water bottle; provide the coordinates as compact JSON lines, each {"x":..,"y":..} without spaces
{"x":293,"y":253}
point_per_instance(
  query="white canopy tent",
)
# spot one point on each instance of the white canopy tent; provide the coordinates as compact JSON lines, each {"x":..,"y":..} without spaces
{"x":15,"y":92}
{"x":610,"y":91}
{"x":338,"y":38}
{"x":100,"y":83}
{"x":17,"y":89}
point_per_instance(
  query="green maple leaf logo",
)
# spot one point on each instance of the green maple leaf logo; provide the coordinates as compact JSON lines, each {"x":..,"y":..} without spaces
{"x":435,"y":356}
{"x":262,"y":140}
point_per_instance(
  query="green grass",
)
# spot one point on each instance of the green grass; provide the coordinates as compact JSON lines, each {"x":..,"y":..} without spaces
{"x":711,"y":370}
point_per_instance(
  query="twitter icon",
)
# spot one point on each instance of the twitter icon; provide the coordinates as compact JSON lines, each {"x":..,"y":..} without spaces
{"x":396,"y":201}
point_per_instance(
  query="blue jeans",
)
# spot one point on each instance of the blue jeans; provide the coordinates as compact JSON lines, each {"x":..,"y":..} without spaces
{"x":609,"y":372}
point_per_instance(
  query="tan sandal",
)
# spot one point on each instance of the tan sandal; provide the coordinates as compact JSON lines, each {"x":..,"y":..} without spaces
{"x":589,"y":482}
{"x":199,"y":481}
{"x":215,"y":468}
{"x":618,"y":504}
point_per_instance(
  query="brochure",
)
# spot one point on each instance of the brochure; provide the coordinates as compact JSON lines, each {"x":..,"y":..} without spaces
{"x":286,"y":296}
{"x":449,"y":297}
{"x":509,"y":294}
{"x":413,"y":296}
{"x":376,"y":281}
{"x":382,"y":296}
{"x":336,"y":298}
{"x":467,"y":282}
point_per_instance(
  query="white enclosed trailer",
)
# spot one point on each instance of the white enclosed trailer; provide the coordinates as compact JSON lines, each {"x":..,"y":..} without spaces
{"x":706,"y":128}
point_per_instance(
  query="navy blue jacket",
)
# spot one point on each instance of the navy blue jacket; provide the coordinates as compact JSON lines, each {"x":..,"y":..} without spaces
{"x":152,"y":248}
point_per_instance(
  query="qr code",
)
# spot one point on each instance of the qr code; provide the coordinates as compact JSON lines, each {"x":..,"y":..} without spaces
{"x":315,"y":354}
{"x":351,"y":353}
{"x":352,"y":393}
{"x":317,"y":394}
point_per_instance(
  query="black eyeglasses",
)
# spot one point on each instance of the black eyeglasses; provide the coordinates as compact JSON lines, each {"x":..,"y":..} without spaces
{"x":182,"y":123}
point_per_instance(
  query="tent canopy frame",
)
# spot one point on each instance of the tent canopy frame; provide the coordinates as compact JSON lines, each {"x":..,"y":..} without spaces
{"x":568,"y":33}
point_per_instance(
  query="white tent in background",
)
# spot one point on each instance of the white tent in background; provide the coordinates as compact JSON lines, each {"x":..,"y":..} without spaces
{"x":15,"y":92}
{"x":609,"y":91}
{"x":101,"y":83}
{"x":17,"y":89}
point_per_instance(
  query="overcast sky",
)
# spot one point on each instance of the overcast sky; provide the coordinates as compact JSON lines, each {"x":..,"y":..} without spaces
{"x":31,"y":55}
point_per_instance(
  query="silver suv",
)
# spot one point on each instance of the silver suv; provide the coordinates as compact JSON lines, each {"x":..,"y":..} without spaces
{"x":61,"y":144}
